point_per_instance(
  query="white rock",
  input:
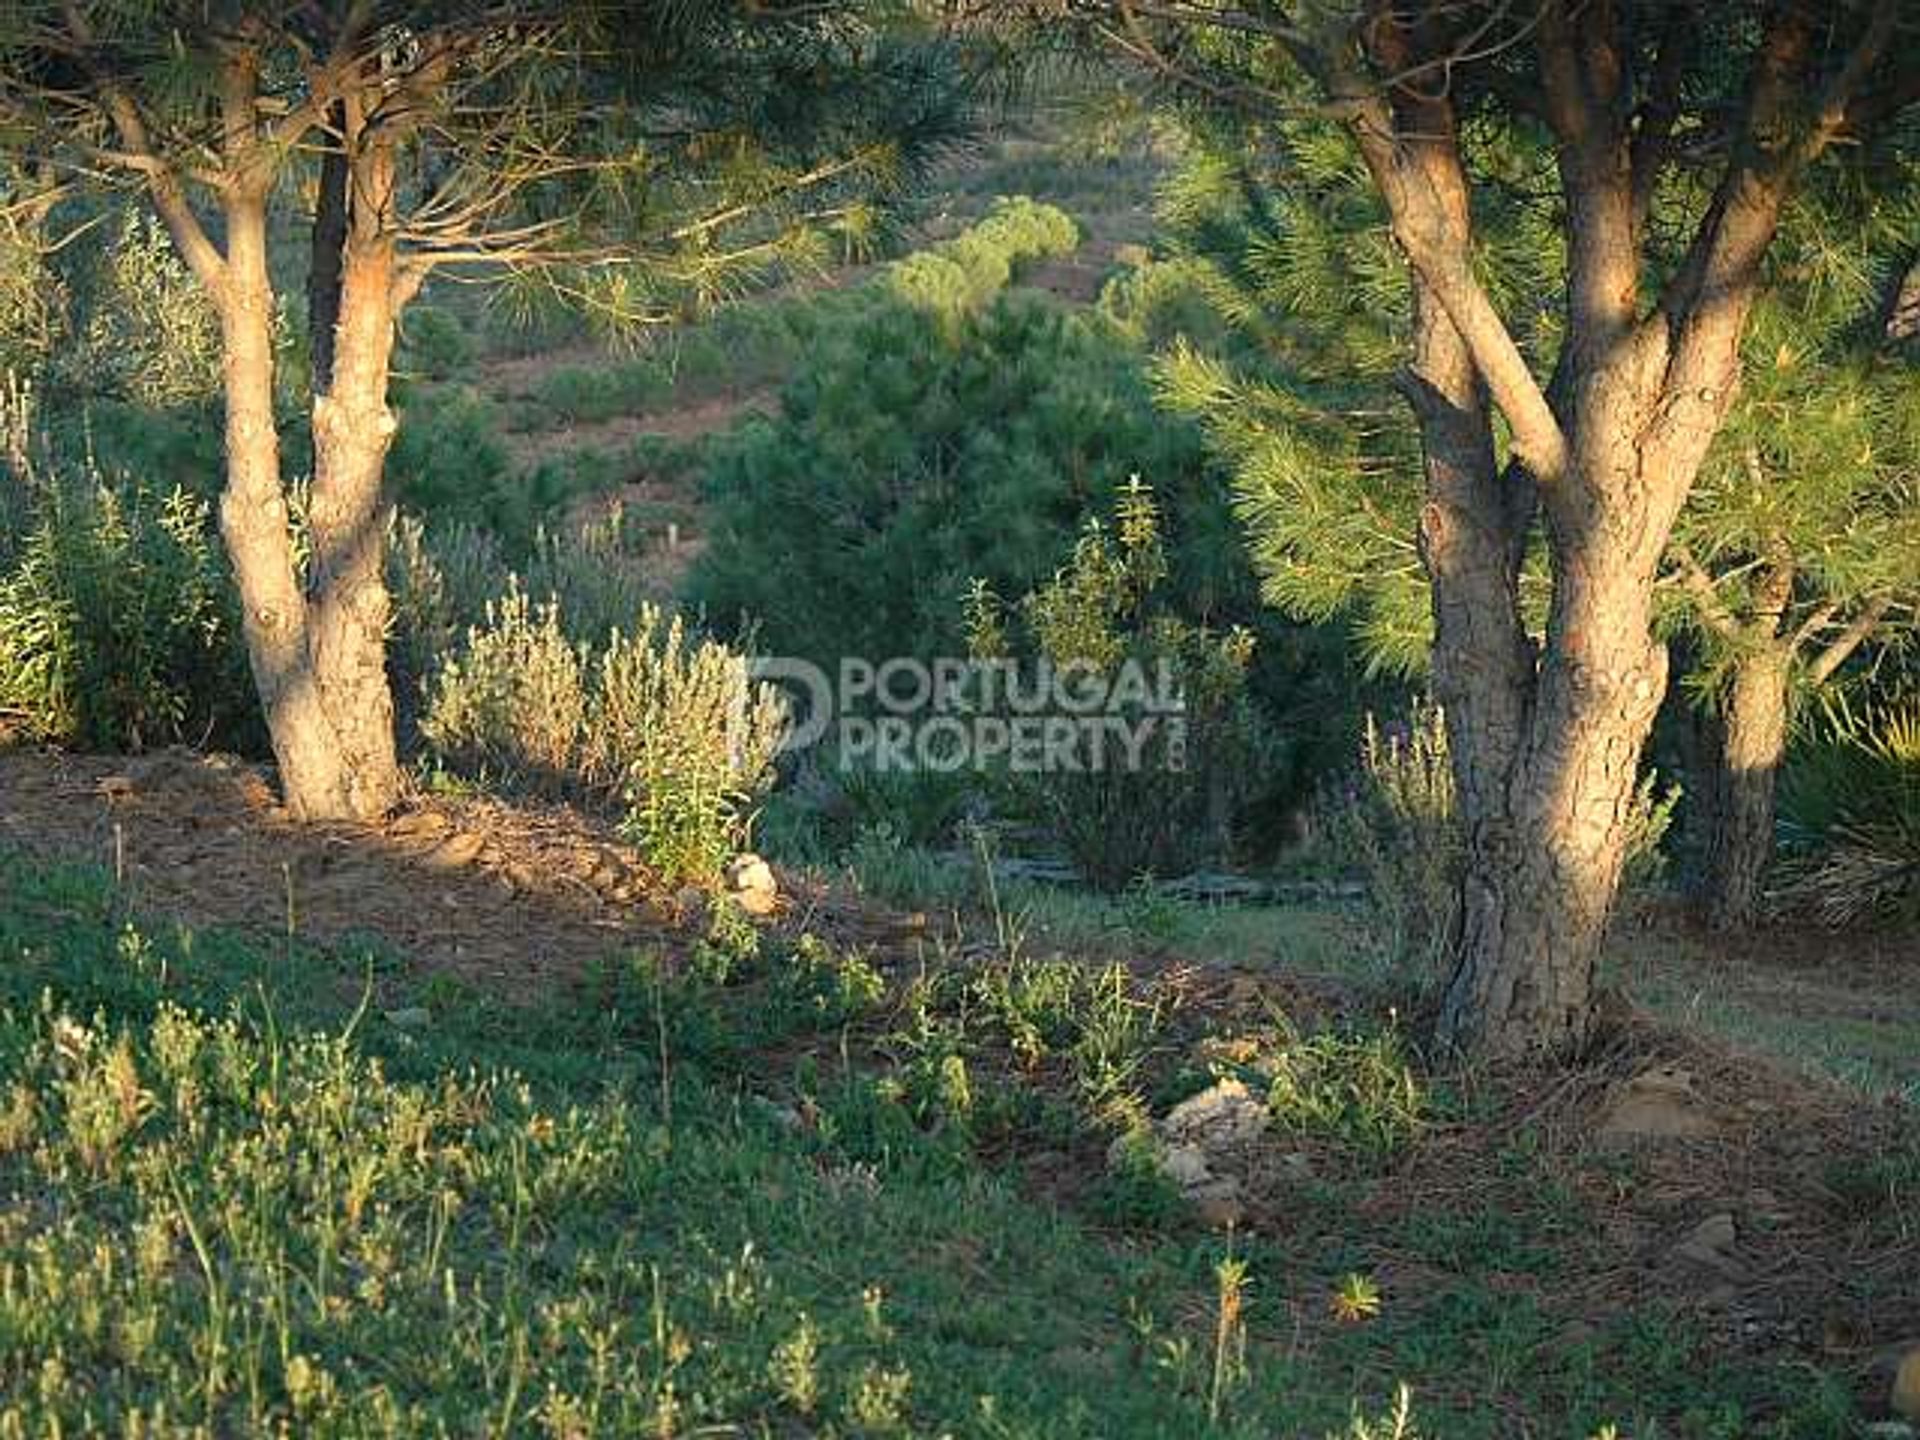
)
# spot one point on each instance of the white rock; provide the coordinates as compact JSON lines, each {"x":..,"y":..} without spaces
{"x":750,"y":882}
{"x":1223,"y":1114}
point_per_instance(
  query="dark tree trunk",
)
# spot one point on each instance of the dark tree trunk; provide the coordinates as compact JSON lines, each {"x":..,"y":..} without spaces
{"x":328,"y":253}
{"x":1753,"y":736}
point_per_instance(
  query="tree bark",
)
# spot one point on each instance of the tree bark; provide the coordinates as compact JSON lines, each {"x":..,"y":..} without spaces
{"x":327,"y":251}
{"x":254,"y":523}
{"x":1753,"y":745}
{"x":348,"y":519}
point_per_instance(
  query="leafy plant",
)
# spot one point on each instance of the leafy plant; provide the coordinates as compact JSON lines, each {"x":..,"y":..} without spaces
{"x":670,"y":727}
{"x":1159,"y":800}
{"x":151,"y":333}
{"x":1357,"y":1089}
{"x":1851,"y":813}
{"x":513,"y":702}
{"x":688,"y":737}
{"x":117,"y":619}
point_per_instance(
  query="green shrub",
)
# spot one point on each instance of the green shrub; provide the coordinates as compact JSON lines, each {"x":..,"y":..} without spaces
{"x":670,"y":727}
{"x":118,"y":622}
{"x":151,"y":334}
{"x":587,"y":394}
{"x":434,"y":343}
{"x":513,"y":702}
{"x":1393,"y":822}
{"x":1356,"y":1089}
{"x":448,"y":463}
{"x":33,"y":299}
{"x":1167,"y":807}
{"x":969,"y":270}
{"x":680,"y":726}
{"x":1850,"y":811}
{"x":441,"y":580}
{"x":853,"y":523}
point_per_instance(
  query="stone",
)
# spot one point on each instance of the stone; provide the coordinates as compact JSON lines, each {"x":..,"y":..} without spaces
{"x":419,"y":826}
{"x":1657,"y":1104}
{"x":1217,"y":1202}
{"x":1710,"y":1245}
{"x":457,"y":851}
{"x":750,"y":883}
{"x":1906,"y":1386}
{"x":1185,"y":1165}
{"x":1221,"y":1116}
{"x":1716,"y":1232}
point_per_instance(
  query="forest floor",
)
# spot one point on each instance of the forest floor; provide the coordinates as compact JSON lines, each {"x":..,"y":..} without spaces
{"x":1674,"y":1230}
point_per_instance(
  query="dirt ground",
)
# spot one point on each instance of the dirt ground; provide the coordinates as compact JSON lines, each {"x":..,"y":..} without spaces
{"x":520,"y":899}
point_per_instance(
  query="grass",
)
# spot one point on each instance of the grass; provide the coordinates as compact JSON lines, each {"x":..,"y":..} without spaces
{"x":1822,"y":1022}
{"x":778,"y":1187}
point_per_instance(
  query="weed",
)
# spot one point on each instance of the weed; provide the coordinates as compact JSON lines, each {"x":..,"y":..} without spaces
{"x":1356,"y":1089}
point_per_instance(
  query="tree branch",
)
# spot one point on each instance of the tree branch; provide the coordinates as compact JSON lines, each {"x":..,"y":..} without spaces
{"x":1848,"y":640}
{"x":1583,"y":77}
{"x":1411,"y":150}
{"x":1699,"y":584}
{"x":163,"y":182}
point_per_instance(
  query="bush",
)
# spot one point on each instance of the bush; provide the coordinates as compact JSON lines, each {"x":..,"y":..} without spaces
{"x":1850,"y":811}
{"x":513,"y":703}
{"x":688,"y":735}
{"x":1357,"y":1089}
{"x":447,"y":463}
{"x":152,"y":335}
{"x":1168,"y":807}
{"x":853,"y":523}
{"x":969,"y":270}
{"x":671,"y":728}
{"x":1393,"y":822}
{"x":118,"y":623}
{"x":434,"y":343}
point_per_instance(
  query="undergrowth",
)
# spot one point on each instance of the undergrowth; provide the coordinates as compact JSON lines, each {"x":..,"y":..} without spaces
{"x":770,"y":1185}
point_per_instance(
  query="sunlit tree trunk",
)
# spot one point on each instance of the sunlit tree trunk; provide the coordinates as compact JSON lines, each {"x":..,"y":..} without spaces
{"x":254,"y":523}
{"x":348,"y":604}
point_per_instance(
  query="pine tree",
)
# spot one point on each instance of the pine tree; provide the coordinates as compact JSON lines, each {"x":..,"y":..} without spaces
{"x":1573,"y":427}
{"x":1801,"y":541}
{"x":1800,"y":547}
{"x":634,"y":159}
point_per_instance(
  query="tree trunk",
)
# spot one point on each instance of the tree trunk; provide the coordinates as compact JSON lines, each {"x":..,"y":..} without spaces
{"x":254,"y":523}
{"x":1547,"y":848}
{"x":352,"y":428}
{"x":1754,"y":742}
{"x":1544,"y":862}
{"x":327,"y":252}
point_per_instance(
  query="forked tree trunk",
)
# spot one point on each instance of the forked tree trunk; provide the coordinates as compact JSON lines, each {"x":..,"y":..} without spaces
{"x":348,"y":604}
{"x":1753,"y":745}
{"x":1547,"y":851}
{"x":254,"y":523}
{"x":1546,"y":755}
